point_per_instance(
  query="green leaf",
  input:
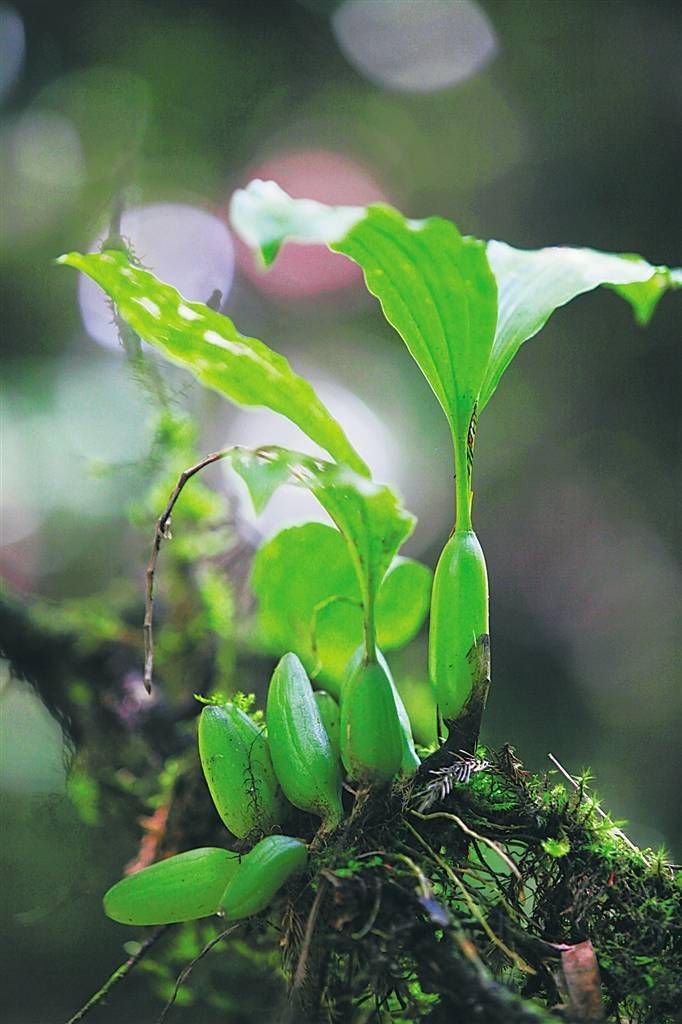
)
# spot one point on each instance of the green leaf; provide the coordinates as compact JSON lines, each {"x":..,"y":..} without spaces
{"x":531,"y":284}
{"x":403,"y":602}
{"x":368,"y":515}
{"x":208,"y":344}
{"x":437,"y":290}
{"x":296,"y":572}
{"x":317,"y":615}
{"x":265,"y":217}
{"x":262,"y":478}
{"x":644,"y":296}
{"x":435,"y":287}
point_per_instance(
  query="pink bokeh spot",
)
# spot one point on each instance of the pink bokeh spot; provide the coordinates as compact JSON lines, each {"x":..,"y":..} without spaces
{"x":304,"y":270}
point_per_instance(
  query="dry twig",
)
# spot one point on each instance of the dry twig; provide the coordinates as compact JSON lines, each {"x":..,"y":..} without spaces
{"x":162,"y":532}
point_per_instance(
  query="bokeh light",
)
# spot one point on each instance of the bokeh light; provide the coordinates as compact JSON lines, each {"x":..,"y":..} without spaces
{"x":329,"y":177}
{"x":415,"y":45}
{"x":31,"y":754}
{"x":12,"y":48}
{"x":110,"y":109}
{"x":41,"y":161}
{"x":183,"y":245}
{"x":46,"y":149}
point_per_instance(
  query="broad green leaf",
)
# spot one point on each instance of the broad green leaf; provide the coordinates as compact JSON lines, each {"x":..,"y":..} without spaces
{"x":208,"y":344}
{"x":435,"y":287}
{"x":369,"y":515}
{"x":437,"y":290}
{"x":309,"y":599}
{"x":337,"y":628}
{"x":403,"y":602}
{"x":531,"y":284}
{"x":294,"y":574}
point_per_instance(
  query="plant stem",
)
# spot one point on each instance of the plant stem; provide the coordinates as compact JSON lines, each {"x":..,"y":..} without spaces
{"x":370,"y":632}
{"x":462,"y":485}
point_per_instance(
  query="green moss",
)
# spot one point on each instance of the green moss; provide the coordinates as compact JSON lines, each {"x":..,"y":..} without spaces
{"x":481,"y":887}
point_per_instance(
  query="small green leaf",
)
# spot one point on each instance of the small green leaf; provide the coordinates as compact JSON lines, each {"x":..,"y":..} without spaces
{"x":265,"y":217}
{"x":289,"y":586}
{"x":208,"y":344}
{"x":318,"y":614}
{"x":556,"y":847}
{"x":261,"y":477}
{"x":368,"y":515}
{"x":531,"y":284}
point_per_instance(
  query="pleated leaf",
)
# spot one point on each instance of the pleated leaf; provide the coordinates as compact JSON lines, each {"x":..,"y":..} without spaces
{"x":435,"y":286}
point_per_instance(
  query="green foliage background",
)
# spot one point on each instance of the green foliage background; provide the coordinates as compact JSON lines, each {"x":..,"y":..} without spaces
{"x":566,"y":137}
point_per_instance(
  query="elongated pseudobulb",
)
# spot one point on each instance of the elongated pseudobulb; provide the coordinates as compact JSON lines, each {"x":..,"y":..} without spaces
{"x":371,"y":733}
{"x":307,"y":766}
{"x":409,"y":760}
{"x":261,"y":873}
{"x":458,"y":638}
{"x":181,"y":888}
{"x":235,"y":757}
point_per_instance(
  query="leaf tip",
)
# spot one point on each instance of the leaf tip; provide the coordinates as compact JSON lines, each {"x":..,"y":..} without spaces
{"x":269,"y":253}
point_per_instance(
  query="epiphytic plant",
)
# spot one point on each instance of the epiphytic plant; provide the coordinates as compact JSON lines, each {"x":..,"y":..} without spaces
{"x":463,"y":308}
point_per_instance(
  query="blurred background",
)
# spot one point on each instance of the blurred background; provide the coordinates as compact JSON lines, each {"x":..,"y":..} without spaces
{"x":535,"y":121}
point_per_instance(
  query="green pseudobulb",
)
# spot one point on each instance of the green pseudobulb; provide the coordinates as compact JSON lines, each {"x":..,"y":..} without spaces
{"x":371,"y":733}
{"x":181,"y":888}
{"x":262,"y":872}
{"x":459,"y":622}
{"x":330,"y":713}
{"x":306,"y":763}
{"x":236,"y":761}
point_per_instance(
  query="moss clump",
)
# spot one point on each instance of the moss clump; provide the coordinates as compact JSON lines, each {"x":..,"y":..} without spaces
{"x":450,"y":900}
